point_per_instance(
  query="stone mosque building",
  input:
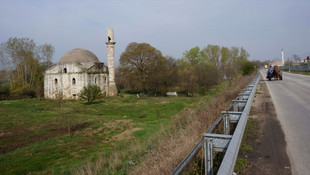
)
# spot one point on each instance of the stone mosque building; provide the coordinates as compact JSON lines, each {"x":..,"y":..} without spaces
{"x":79,"y":68}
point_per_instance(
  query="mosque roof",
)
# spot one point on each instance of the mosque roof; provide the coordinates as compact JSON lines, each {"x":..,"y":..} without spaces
{"x":78,"y":55}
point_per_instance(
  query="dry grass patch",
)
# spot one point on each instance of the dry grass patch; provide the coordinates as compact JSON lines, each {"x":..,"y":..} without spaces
{"x":113,"y":131}
{"x":117,"y":123}
{"x":127,"y":134}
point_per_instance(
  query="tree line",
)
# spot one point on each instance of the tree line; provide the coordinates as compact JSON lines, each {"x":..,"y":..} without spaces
{"x":22,"y":65}
{"x":144,"y":69}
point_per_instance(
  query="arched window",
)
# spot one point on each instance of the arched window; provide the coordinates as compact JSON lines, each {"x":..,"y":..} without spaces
{"x":73,"y":81}
{"x":65,"y":70}
{"x":95,"y":80}
{"x":105,"y":79}
{"x":56,"y":81}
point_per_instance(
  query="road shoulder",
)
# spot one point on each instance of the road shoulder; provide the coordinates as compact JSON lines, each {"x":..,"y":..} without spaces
{"x":263,"y":145}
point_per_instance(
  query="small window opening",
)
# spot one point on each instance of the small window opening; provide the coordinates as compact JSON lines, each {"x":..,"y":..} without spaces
{"x":73,"y":81}
{"x":65,"y":70}
{"x":95,"y":80}
{"x":105,"y":79}
{"x":74,"y":96}
{"x":56,"y":81}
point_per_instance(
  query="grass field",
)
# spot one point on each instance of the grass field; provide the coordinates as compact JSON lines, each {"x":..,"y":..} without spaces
{"x":58,"y":137}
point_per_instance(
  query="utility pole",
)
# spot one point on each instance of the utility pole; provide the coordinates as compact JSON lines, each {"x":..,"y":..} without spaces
{"x":282,"y":57}
{"x":289,"y":65}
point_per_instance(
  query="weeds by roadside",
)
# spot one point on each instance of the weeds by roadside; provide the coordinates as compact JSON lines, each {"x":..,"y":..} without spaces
{"x":247,"y":144}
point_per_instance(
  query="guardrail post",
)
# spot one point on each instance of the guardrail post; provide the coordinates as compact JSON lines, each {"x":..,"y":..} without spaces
{"x":246,"y":91}
{"x":226,"y":124}
{"x":233,"y":116}
{"x":243,"y":96}
{"x":208,"y":156}
{"x":239,"y":104}
{"x":236,"y":106}
{"x":213,"y":142}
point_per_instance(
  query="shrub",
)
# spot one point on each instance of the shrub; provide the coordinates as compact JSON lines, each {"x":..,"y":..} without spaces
{"x":247,"y":67}
{"x":4,"y":89}
{"x":90,"y":93}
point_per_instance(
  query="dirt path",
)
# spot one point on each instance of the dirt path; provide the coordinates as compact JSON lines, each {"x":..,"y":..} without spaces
{"x":269,"y":156}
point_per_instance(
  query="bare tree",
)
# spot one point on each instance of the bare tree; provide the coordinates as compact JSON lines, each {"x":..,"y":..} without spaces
{"x":296,"y":58}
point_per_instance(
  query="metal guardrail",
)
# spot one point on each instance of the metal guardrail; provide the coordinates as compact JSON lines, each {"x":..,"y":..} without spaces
{"x":229,"y":160}
{"x":225,"y":142}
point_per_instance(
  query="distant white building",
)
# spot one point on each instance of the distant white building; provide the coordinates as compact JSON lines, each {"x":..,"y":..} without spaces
{"x":278,"y":63}
{"x":79,"y":68}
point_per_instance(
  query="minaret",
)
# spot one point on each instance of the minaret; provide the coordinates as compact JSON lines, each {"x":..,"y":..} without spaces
{"x":282,"y":58}
{"x":112,"y":92}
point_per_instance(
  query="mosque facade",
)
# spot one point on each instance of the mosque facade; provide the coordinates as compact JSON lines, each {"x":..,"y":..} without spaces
{"x":79,"y":68}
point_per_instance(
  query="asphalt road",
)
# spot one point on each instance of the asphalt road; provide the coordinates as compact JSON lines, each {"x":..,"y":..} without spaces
{"x":291,"y":98}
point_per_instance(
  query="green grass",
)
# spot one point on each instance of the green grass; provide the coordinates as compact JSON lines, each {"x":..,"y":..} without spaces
{"x":34,"y":137}
{"x":240,"y":166}
{"x":250,"y":134}
{"x":247,"y":144}
{"x":297,"y":72}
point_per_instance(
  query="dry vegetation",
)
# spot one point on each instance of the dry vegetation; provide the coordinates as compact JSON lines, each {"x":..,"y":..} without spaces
{"x":187,"y":129}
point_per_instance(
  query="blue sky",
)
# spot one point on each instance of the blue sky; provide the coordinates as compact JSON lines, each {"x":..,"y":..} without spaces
{"x":262,"y":27}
